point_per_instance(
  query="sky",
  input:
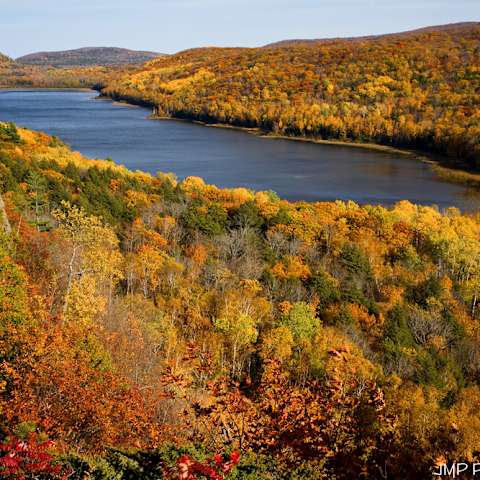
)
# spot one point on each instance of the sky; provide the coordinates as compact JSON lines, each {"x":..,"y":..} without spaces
{"x":169,"y":26}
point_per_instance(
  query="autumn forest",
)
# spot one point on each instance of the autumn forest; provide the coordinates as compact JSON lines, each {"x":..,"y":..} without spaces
{"x":418,"y":91}
{"x":161,"y":328}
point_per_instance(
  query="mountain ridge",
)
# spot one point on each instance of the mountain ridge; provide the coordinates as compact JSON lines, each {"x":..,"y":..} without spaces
{"x":88,"y":56}
{"x":421,"y":30}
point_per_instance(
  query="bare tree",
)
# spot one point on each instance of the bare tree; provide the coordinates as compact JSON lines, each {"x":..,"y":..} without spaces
{"x":427,"y":324}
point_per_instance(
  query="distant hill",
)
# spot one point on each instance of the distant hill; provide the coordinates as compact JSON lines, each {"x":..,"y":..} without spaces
{"x":89,"y":56}
{"x":14,"y":74}
{"x":451,"y":27}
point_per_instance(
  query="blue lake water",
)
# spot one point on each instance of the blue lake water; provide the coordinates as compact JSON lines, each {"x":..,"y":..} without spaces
{"x":229,"y":158}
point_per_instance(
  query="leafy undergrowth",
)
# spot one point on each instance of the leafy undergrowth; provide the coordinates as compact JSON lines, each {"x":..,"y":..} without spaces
{"x":154,"y":328}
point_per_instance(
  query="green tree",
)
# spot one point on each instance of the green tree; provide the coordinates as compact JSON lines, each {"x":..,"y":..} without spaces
{"x":302,"y":322}
{"x":38,"y":189}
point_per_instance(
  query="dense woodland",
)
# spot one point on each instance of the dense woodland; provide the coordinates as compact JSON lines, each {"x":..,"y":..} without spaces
{"x":419,"y":90}
{"x":151,"y":328}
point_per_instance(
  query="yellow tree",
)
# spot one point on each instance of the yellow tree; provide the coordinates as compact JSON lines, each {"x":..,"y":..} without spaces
{"x":92,"y":262}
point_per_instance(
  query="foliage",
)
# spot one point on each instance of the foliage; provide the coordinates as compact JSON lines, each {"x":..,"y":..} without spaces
{"x":143,"y":321}
{"x":301,"y":321}
{"x":29,"y":458}
{"x":416,"y":90}
{"x":89,"y":56}
{"x":9,"y":132}
{"x":16,"y":74}
{"x":216,"y":468}
{"x":210,"y":219}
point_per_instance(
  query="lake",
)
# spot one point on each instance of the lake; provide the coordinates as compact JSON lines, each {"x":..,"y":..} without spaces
{"x":229,"y":158}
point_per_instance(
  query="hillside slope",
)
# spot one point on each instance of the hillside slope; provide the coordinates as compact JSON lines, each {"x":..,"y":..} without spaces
{"x":89,"y":56}
{"x":418,"y":90}
{"x":137,"y":312}
{"x":451,"y":27}
{"x":83,"y":68}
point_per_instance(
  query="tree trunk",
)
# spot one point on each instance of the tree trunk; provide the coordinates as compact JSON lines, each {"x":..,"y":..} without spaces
{"x":3,"y":217}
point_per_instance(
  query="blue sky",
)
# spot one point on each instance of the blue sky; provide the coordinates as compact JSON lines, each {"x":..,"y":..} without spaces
{"x":172,"y":25}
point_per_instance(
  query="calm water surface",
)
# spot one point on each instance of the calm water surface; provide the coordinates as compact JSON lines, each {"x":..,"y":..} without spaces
{"x":228,"y":158}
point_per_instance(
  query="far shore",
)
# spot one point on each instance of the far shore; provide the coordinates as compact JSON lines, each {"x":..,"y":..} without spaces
{"x":72,"y":89}
{"x":440,"y":164}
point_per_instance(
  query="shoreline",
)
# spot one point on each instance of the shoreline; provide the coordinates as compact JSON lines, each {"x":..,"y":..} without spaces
{"x":425,"y":157}
{"x":119,"y":103}
{"x":258,"y":132}
{"x":437,"y":162}
{"x":58,"y":89}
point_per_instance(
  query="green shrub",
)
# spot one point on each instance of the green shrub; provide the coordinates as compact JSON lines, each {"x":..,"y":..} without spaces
{"x":9,"y":133}
{"x":282,"y":217}
{"x":397,"y":329}
{"x":326,"y":289}
{"x":355,"y":261}
{"x":430,"y":288}
{"x":209,"y":219}
{"x":247,"y":215}
{"x":301,"y":321}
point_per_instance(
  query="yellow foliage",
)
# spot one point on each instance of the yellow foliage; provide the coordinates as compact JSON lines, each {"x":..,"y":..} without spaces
{"x":333,"y":352}
{"x":285,"y":307}
{"x":193,"y":184}
{"x":277,"y":344}
{"x":464,"y":425}
{"x":166,"y":224}
{"x":251,"y":287}
{"x":391,"y":295}
{"x":292,"y":267}
{"x":53,"y":175}
{"x":139,"y":199}
{"x":420,"y":417}
{"x":85,"y":303}
{"x":366,"y":321}
{"x":198,"y":253}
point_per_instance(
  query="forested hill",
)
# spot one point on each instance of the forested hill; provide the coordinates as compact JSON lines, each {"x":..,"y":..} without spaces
{"x":87,"y":67}
{"x":89,"y":56}
{"x":14,"y":75}
{"x":147,"y":324}
{"x":451,"y":27}
{"x":418,"y":90}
